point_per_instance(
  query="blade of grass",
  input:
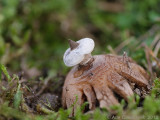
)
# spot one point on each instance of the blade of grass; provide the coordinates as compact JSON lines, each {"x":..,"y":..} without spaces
{"x":17,"y":97}
{"x":4,"y":70}
{"x":0,"y":74}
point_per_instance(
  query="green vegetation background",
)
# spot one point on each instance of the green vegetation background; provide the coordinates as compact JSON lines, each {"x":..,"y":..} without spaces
{"x":37,"y":32}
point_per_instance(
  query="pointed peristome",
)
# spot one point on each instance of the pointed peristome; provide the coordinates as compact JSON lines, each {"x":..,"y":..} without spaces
{"x":73,"y":44}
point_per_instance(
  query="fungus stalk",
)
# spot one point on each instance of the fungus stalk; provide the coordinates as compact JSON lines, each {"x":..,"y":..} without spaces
{"x":87,"y":59}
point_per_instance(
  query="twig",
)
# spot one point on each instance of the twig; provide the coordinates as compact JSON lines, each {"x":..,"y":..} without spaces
{"x":123,"y":44}
{"x":111,"y":50}
{"x":157,"y":48}
{"x":151,"y":32}
{"x":157,"y":37}
{"x":46,"y":81}
{"x":148,"y":60}
{"x":152,"y":54}
{"x":111,"y":7}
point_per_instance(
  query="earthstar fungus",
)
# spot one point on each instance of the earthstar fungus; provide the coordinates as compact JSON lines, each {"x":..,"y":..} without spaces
{"x":100,"y":77}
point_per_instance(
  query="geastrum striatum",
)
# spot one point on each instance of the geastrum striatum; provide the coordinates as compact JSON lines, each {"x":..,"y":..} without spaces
{"x":99,"y":77}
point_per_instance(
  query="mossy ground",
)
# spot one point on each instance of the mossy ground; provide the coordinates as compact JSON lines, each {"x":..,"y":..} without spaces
{"x":33,"y":39}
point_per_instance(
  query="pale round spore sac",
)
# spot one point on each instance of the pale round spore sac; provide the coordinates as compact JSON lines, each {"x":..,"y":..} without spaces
{"x":72,"y":58}
{"x":75,"y":56}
